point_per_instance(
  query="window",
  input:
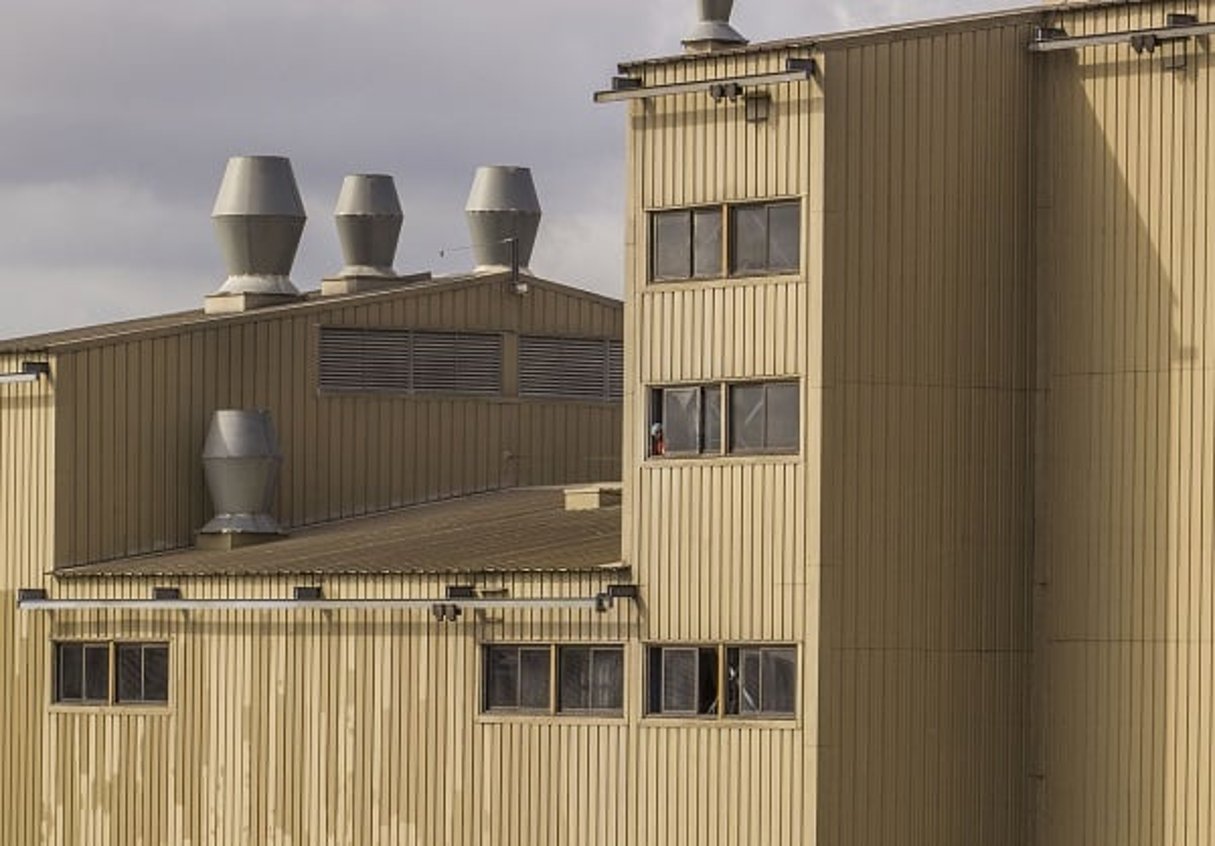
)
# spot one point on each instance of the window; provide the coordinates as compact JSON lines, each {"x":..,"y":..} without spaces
{"x":571,"y":369}
{"x":760,"y":681}
{"x":592,"y":679}
{"x":82,"y":673}
{"x":764,"y":417}
{"x":765,"y":238}
{"x":142,"y":672}
{"x":86,"y":675}
{"x":688,"y":420}
{"x":686,"y":244}
{"x":518,"y":679}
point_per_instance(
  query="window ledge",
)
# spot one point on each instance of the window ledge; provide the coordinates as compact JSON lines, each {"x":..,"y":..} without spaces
{"x":659,"y":286}
{"x":572,"y":720}
{"x":657,"y":461}
{"x":657,"y":721}
{"x":102,"y":709}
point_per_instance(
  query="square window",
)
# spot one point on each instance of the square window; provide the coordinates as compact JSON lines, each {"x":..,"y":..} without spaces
{"x":517,"y":678}
{"x":685,"y":244}
{"x":592,"y":678}
{"x":82,"y":673}
{"x":761,"y":681}
{"x":685,"y":420}
{"x":765,"y":238}
{"x":765,"y":417}
{"x":142,"y":672}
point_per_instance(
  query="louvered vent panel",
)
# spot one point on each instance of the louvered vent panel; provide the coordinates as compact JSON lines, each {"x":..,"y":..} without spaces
{"x":564,"y":368}
{"x":454,"y":363}
{"x":364,"y":360}
{"x":615,"y":371}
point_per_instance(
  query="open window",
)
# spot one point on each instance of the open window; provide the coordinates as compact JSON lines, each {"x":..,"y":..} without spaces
{"x":685,"y":420}
{"x":744,"y":681}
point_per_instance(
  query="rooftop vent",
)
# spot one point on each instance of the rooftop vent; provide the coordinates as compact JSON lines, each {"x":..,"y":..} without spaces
{"x":241,"y":460}
{"x":503,"y":217}
{"x":713,"y":31}
{"x":258,"y":219}
{"x":369,"y":218}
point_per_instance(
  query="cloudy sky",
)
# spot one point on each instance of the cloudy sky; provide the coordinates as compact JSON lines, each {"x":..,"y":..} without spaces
{"x":116,"y":119}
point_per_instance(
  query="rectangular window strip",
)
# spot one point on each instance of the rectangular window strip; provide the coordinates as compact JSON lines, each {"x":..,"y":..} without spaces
{"x":590,"y":370}
{"x":101,"y":673}
{"x":403,"y":361}
{"x":756,"y":418}
{"x":550,"y":679}
{"x":690,"y":244}
{"x":706,"y":681}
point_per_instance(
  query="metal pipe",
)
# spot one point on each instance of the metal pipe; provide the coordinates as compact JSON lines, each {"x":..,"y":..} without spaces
{"x":17,"y":378}
{"x":598,"y":602}
{"x":1162,"y":34}
{"x":797,"y":75}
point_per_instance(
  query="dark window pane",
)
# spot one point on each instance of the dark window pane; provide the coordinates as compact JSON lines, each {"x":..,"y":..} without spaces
{"x":97,"y":672}
{"x":654,"y":680}
{"x":156,"y":674}
{"x":783,"y":416}
{"x":779,"y":681}
{"x":706,"y":248}
{"x":672,"y":245}
{"x":575,"y":679}
{"x":712,"y":419}
{"x":71,"y":672}
{"x":679,"y":681}
{"x":129,"y":672}
{"x":607,"y":679}
{"x":534,"y":679}
{"x":681,"y":420}
{"x":707,"y":681}
{"x":750,"y":701}
{"x":784,"y":236}
{"x":747,"y":426}
{"x":750,"y":239}
{"x":501,"y":677}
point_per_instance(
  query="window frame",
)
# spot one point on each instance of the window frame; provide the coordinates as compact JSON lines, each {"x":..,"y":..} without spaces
{"x":112,"y":699}
{"x":657,"y":423}
{"x":721,"y":712}
{"x":554,"y":707}
{"x":727,"y":260}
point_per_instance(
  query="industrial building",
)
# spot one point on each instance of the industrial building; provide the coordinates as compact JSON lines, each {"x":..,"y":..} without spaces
{"x":917,"y":470}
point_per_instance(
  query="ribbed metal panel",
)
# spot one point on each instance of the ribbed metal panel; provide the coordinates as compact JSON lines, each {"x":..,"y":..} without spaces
{"x":570,"y":368}
{"x":445,"y":362}
{"x":364,"y":360}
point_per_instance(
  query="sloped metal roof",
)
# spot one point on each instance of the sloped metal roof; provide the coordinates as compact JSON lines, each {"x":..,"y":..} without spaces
{"x":518,"y":530}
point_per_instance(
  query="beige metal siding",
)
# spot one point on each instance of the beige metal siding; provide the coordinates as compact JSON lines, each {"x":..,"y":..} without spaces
{"x":725,"y":549}
{"x":134,"y":413}
{"x":925,"y":446}
{"x":27,"y":473}
{"x":1125,"y":516}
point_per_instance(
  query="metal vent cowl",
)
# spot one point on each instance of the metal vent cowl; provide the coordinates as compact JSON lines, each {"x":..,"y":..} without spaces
{"x":502,"y":207}
{"x":258,"y":219}
{"x":369,"y":218}
{"x":713,"y":30}
{"x":241,"y":461}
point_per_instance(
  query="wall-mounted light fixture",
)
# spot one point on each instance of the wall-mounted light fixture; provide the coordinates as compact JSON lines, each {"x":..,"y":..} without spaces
{"x":166,"y":594}
{"x":757,"y":106}
{"x":31,"y":371}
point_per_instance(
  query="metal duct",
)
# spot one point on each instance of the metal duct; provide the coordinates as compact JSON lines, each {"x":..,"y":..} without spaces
{"x":241,"y":460}
{"x":713,"y":30}
{"x":503,"y":214}
{"x":258,"y":218}
{"x":369,"y":219}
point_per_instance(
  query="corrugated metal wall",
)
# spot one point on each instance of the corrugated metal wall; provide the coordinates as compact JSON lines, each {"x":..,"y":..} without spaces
{"x":342,"y":727}
{"x":1126,"y":170}
{"x":926,"y":453}
{"x":27,"y":463}
{"x":725,"y":549}
{"x":134,"y":414}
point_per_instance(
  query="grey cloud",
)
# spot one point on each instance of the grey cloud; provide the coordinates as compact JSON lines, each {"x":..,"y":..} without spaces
{"x":116,"y":119}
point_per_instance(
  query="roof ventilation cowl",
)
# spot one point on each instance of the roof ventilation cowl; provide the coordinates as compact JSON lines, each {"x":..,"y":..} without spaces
{"x":258,"y":219}
{"x":369,"y":218}
{"x":713,"y":31}
{"x":241,"y":460}
{"x":503,"y":214}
